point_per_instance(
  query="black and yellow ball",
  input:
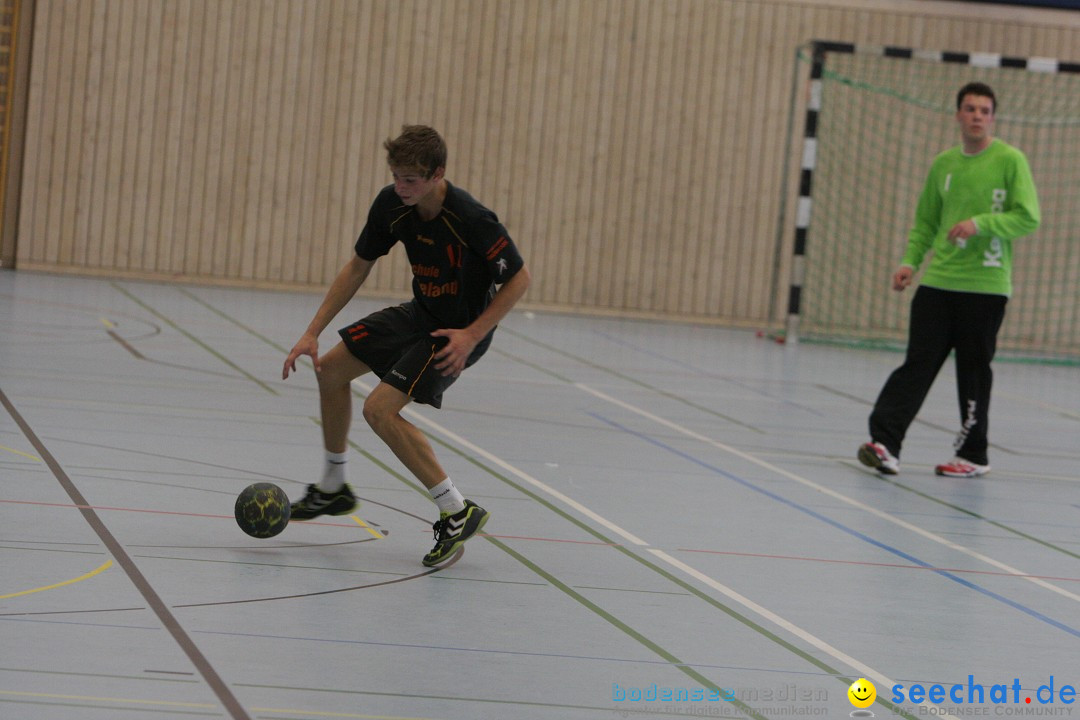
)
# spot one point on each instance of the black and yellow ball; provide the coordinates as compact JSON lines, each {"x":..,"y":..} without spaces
{"x":262,"y":510}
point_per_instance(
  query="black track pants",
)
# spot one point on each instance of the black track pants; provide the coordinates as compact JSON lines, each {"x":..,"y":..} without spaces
{"x":942,"y":321}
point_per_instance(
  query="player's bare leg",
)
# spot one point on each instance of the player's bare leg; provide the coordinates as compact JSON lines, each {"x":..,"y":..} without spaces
{"x":339,"y":368}
{"x":459,"y":519}
{"x":382,"y":410}
{"x":332,"y":494}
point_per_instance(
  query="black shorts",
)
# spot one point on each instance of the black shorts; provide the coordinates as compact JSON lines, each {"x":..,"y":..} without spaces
{"x":399,"y":349}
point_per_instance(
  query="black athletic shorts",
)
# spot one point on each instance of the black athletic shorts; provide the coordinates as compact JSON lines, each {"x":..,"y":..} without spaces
{"x":398,"y":347}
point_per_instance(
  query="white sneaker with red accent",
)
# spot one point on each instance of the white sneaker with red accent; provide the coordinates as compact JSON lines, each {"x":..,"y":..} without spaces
{"x":959,"y":467}
{"x":875,"y":455}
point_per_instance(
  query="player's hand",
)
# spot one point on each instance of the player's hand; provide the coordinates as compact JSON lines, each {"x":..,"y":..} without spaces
{"x":451,"y":359}
{"x":307,"y":345}
{"x":902,"y":278}
{"x":961,"y":231}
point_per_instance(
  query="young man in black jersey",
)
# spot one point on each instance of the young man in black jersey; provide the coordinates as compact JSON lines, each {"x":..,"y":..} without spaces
{"x":467,"y":275}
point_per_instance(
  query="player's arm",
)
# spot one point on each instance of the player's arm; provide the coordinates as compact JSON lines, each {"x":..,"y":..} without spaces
{"x":921,"y":237}
{"x":452,"y":357}
{"x":1022,"y":216}
{"x":902,"y":277}
{"x":348,"y":281}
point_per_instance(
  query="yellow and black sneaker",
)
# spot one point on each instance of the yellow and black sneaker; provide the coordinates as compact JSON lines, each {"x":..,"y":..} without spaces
{"x":317,"y":502}
{"x":451,"y":531}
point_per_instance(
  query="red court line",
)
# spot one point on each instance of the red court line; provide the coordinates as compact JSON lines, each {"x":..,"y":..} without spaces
{"x":554,"y":540}
{"x":154,"y":512}
{"x":863,"y":563}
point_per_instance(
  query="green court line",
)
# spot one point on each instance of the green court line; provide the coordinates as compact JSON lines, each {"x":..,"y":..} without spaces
{"x":621,"y":376}
{"x":62,"y":674}
{"x":528,"y":363}
{"x":746,"y":621}
{"x":232,"y":320}
{"x":951,"y":432}
{"x":958,"y":508}
{"x":705,"y":682}
{"x":626,"y":629}
{"x":729,"y":611}
{"x":900,"y":346}
{"x":977,"y":516}
{"x":192,"y":338}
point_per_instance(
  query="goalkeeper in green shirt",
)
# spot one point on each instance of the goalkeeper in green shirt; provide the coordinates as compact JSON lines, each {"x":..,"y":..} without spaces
{"x":977,"y":199}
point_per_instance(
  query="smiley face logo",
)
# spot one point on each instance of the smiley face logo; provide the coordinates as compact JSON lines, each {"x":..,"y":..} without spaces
{"x":862,"y":693}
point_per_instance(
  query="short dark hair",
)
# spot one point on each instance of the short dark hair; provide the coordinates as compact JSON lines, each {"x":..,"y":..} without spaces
{"x":976,"y":88}
{"x":418,"y":146}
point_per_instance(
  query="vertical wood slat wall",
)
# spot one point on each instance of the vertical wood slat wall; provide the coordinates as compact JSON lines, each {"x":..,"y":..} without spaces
{"x":12,"y":107}
{"x":635,"y":149}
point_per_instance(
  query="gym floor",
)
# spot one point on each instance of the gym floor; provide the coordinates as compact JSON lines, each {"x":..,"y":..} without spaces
{"x":679,"y":526}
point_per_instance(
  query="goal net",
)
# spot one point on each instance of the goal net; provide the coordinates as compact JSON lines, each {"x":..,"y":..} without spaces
{"x":876,"y":119}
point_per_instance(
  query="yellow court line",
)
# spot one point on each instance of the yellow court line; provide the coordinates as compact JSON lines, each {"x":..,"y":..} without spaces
{"x":367,"y":527}
{"x":20,"y":452}
{"x":107,"y":564}
{"x":87,"y":698}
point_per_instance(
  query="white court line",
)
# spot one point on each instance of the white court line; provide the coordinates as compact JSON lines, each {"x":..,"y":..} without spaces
{"x":626,"y":535}
{"x":833,"y":494}
{"x":862,"y":668}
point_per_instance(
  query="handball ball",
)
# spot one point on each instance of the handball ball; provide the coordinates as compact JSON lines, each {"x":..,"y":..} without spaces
{"x":262,"y":510}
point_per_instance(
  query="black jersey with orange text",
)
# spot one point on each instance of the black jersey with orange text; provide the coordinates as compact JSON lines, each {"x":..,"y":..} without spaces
{"x":457,"y":258}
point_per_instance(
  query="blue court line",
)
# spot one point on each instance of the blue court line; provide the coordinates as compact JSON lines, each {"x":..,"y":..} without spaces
{"x":840,"y":526}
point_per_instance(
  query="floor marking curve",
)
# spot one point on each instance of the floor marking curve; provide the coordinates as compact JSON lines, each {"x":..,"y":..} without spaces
{"x":20,"y":453}
{"x":217,"y":685}
{"x":97,"y":571}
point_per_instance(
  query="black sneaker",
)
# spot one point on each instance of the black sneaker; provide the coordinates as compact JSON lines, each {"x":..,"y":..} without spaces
{"x":317,"y":502}
{"x":451,"y":531}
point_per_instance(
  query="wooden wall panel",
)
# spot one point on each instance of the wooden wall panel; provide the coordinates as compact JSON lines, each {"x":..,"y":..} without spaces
{"x":638,"y":150}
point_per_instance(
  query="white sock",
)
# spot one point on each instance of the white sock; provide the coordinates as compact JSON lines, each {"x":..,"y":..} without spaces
{"x":333,"y":478}
{"x":447,"y":497}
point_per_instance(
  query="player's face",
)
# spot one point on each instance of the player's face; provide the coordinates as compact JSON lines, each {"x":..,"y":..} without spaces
{"x":976,"y":118}
{"x":411,"y":185}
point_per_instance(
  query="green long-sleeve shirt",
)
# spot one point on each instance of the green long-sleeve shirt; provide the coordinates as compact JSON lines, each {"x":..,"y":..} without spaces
{"x":995,"y":189}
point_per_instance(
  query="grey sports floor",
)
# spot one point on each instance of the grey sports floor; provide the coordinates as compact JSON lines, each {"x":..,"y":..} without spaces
{"x":679,"y":527}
